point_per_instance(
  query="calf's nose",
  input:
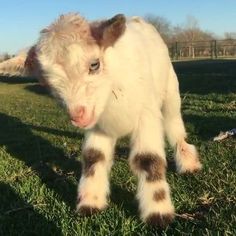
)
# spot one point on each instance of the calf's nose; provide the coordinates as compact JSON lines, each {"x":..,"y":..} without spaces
{"x":81,"y":117}
{"x":78,"y":113}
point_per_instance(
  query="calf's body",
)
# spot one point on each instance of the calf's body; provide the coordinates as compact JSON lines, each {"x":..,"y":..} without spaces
{"x":115,"y":79}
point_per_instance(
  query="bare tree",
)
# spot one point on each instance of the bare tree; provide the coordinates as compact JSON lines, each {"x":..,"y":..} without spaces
{"x":162,"y":25}
{"x":227,"y":47}
{"x":190,"y":40}
{"x":189,"y":34}
{"x":230,"y":35}
{"x":190,"y":31}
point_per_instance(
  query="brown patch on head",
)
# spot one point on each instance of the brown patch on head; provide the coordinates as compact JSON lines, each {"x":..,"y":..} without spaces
{"x":157,"y":219}
{"x":91,"y":157}
{"x":159,"y":195}
{"x":107,"y":32}
{"x":152,"y":164}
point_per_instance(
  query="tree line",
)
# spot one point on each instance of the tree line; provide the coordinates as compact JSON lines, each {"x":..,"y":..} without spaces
{"x":187,"y":32}
{"x":189,"y":40}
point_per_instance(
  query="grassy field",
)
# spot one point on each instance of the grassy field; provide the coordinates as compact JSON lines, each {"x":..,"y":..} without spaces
{"x":40,"y":155}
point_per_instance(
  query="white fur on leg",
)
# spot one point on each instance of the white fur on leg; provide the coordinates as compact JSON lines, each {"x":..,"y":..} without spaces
{"x":93,"y":190}
{"x":173,"y":122}
{"x":147,"y":160}
{"x":148,"y":137}
{"x":187,"y":158}
{"x":147,"y":203}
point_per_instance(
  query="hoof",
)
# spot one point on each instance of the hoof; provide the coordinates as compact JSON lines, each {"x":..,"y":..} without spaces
{"x":161,"y":220}
{"x":88,"y":210}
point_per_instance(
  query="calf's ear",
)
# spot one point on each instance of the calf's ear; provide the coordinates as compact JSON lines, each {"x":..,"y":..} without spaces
{"x":107,"y":32}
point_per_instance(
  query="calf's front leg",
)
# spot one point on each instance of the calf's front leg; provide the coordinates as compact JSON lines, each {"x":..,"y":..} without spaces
{"x":97,"y":160}
{"x":147,"y":160}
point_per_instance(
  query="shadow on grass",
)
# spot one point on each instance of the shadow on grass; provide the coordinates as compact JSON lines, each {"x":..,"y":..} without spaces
{"x":207,"y":76}
{"x":32,"y":84}
{"x":57,"y":132}
{"x":50,"y":163}
{"x":38,"y":89}
{"x":125,"y":200}
{"x":17,"y":80}
{"x":15,"y":209}
{"x":208,"y":127}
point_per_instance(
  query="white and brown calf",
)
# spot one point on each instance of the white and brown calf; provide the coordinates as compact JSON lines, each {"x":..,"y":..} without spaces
{"x":115,"y":79}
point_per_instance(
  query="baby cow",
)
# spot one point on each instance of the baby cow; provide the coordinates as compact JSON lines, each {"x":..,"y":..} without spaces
{"x":115,"y":78}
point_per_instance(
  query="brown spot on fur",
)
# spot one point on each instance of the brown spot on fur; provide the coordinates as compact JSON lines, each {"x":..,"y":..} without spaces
{"x":152,"y":164}
{"x":157,"y":219}
{"x":107,"y":32}
{"x":88,"y":210}
{"x":91,"y":157}
{"x":159,"y":195}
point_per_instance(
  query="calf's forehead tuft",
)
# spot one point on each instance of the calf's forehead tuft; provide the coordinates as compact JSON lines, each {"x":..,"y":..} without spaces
{"x":71,"y":24}
{"x":66,"y":30}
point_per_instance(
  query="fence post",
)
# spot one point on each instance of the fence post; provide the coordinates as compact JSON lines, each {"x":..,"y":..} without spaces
{"x":176,"y":50}
{"x":212,"y":55}
{"x":172,"y":51}
{"x":215,"y":49}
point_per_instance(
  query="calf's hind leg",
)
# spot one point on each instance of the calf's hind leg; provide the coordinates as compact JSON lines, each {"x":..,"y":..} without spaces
{"x":186,"y":155}
{"x":147,"y":160}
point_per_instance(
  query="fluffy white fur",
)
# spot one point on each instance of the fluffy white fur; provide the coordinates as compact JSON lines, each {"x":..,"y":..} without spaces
{"x":135,"y":92}
{"x":145,"y":196}
{"x":14,"y":66}
{"x":93,"y":191}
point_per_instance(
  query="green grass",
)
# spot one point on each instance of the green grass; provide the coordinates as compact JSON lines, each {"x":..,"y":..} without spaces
{"x":40,"y":163}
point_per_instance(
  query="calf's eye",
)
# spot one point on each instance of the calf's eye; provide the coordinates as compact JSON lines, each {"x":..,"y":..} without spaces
{"x":94,"y":66}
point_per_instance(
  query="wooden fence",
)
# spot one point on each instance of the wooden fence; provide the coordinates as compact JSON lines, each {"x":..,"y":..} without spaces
{"x":203,"y":49}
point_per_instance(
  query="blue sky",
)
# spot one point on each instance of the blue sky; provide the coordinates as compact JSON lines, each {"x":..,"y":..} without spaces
{"x":21,"y":20}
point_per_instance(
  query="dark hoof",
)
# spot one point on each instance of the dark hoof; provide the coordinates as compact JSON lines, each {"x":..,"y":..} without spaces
{"x":157,"y":219}
{"x":88,"y":211}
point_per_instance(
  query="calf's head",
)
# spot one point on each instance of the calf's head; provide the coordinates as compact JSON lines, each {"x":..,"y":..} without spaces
{"x":70,"y":52}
